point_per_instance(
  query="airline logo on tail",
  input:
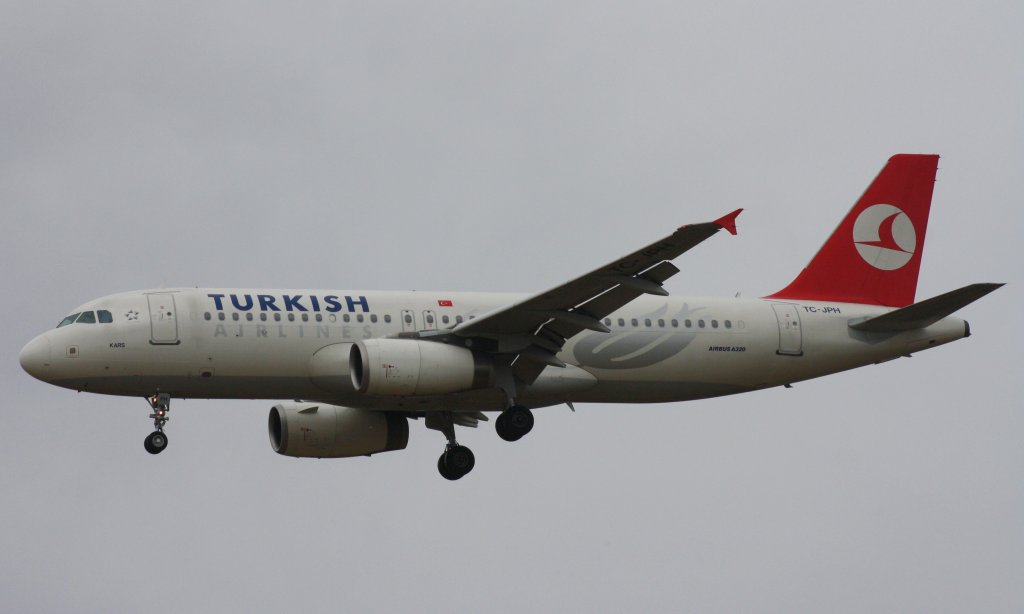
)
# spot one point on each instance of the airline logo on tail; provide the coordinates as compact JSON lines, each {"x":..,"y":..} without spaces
{"x":885,"y":237}
{"x":884,"y":230}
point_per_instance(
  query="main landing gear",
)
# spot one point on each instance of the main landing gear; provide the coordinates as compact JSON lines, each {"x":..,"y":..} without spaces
{"x":457,"y":460}
{"x":514,"y":423}
{"x":156,"y":442}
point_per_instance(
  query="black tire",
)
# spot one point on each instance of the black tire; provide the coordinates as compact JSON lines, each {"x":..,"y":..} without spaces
{"x":443,"y":469}
{"x":156,"y":442}
{"x":501,"y":427}
{"x":521,"y":419}
{"x":459,"y":460}
{"x":514,"y":423}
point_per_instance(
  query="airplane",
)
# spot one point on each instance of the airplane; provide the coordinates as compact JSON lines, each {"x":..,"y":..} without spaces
{"x":361,"y":364}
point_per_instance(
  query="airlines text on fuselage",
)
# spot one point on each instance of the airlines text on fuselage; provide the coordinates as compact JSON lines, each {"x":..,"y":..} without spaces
{"x":330,"y":303}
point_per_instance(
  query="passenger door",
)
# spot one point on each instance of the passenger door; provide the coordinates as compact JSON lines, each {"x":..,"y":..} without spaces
{"x":790,"y":337}
{"x":163,"y":319}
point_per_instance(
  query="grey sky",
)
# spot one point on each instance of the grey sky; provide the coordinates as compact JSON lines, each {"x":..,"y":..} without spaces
{"x":467,"y":146}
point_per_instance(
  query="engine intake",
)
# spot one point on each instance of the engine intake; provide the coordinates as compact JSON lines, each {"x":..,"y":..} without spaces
{"x":410,"y":367}
{"x":317,"y":430}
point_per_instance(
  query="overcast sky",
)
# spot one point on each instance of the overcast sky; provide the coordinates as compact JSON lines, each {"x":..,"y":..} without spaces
{"x":468,"y":146}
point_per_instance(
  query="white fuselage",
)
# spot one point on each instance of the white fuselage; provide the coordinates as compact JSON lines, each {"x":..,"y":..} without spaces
{"x":277,"y":344}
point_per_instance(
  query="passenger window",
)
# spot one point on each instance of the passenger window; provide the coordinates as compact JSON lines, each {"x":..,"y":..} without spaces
{"x":714,"y":323}
{"x":104,"y":316}
{"x":430,"y":319}
{"x":373,"y":318}
{"x":248,"y":316}
{"x":634,"y":322}
{"x":305,"y":317}
{"x":319,"y":317}
{"x":728,"y":323}
{"x":661,"y":323}
{"x":647,"y":322}
{"x":263,"y":317}
{"x":458,"y":319}
{"x":87,"y":317}
{"x":622,"y":322}
{"x":234,"y":316}
{"x":68,"y":320}
{"x":359,"y":317}
{"x":445,"y":319}
{"x":607,"y":321}
{"x":346,"y":318}
{"x":688,"y":323}
{"x":700,"y":323}
{"x":387,"y":318}
{"x":220,"y":316}
{"x":291,"y":317}
{"x":207,"y":316}
{"x":675,"y":323}
{"x":408,"y":319}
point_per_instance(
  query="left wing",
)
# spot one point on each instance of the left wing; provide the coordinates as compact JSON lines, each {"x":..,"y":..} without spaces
{"x":535,"y":329}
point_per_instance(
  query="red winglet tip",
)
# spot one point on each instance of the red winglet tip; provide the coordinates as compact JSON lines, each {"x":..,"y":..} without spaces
{"x":728,"y":221}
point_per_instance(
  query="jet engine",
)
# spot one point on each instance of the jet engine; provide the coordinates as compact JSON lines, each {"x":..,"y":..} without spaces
{"x":410,"y":367}
{"x":317,"y":430}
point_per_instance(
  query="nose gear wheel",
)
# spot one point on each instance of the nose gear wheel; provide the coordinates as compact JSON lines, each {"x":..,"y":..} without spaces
{"x":156,"y":442}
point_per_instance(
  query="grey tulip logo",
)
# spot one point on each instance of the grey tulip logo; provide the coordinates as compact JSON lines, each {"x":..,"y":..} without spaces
{"x":633,"y":349}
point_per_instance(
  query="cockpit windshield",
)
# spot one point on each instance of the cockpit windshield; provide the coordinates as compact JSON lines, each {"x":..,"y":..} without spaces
{"x":88,"y":317}
{"x":68,"y":320}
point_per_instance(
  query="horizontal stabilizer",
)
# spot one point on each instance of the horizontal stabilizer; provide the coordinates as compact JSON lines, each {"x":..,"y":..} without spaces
{"x":925,"y":313}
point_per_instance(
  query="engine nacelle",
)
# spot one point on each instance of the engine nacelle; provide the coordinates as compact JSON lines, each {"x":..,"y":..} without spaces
{"x":328,"y":369}
{"x":317,"y":430}
{"x":410,"y":367}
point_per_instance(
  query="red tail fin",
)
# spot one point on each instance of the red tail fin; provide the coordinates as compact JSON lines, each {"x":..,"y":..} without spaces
{"x":874,"y":255}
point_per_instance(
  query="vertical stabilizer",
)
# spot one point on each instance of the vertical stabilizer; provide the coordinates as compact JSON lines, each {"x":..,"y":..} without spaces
{"x":874,"y":256}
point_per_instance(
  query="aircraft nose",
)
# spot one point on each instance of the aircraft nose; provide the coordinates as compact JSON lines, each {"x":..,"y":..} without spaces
{"x":35,"y":357}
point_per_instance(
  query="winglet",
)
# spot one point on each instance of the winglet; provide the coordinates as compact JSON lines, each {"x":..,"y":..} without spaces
{"x":728,"y":221}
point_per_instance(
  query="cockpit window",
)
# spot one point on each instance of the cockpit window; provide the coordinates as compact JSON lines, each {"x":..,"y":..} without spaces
{"x":68,"y":320}
{"x":104,"y":316}
{"x":87,"y":317}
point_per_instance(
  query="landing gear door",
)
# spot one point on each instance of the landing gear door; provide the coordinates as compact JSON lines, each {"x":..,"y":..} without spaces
{"x":790,"y":338}
{"x":163,"y":319}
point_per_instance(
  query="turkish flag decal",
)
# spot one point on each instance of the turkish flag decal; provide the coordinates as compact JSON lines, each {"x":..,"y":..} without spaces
{"x":443,"y":302}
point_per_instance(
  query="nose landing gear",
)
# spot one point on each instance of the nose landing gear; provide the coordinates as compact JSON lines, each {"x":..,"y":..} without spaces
{"x":156,"y":442}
